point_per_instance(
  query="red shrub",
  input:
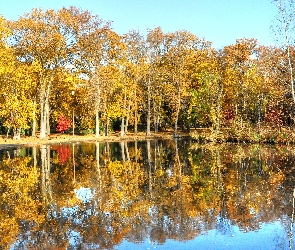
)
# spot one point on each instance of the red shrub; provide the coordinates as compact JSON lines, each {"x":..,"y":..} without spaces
{"x":62,"y":124}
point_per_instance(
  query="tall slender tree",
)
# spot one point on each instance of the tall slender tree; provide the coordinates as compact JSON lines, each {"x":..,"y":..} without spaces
{"x":285,"y":28}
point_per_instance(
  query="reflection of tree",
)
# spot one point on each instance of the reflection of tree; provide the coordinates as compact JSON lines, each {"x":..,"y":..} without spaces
{"x":162,"y":190}
{"x":236,"y":183}
{"x":45,"y":172}
{"x":63,"y":152}
{"x":20,"y":206}
{"x":248,"y":190}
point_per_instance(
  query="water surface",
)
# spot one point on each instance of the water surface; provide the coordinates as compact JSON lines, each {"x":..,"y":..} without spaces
{"x":147,"y":195}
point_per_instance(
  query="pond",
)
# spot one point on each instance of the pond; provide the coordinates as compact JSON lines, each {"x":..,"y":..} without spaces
{"x":156,"y":194}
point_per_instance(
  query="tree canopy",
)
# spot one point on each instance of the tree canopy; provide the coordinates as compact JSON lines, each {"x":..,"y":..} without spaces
{"x":70,"y":62}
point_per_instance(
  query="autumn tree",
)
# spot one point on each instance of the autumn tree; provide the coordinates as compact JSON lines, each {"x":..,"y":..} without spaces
{"x":155,"y":46}
{"x":112,"y":94}
{"x":239,"y":76}
{"x":47,"y":38}
{"x":19,"y":106}
{"x":178,"y":47}
{"x":275,"y":91}
{"x":97,"y":44}
{"x":7,"y":56}
{"x":17,"y":86}
{"x":206,"y":89}
{"x":284,"y":30}
{"x":66,"y":98}
{"x":136,"y":57}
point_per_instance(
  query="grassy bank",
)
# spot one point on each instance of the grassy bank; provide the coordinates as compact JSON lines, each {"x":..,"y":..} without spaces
{"x":283,"y":135}
{"x":280,"y":135}
{"x":67,"y":138}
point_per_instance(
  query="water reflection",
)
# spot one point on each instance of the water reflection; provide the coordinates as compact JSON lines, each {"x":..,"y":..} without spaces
{"x":139,"y":195}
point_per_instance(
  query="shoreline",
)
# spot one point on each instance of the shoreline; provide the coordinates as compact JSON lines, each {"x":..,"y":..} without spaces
{"x":29,"y":141}
{"x":267,"y":135}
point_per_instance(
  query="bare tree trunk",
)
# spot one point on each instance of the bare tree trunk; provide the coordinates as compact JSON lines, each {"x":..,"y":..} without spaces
{"x":34,"y":121}
{"x":127,"y":116}
{"x":148,"y":120}
{"x":286,"y":25}
{"x":155,"y":153}
{"x":218,"y":107}
{"x":42,"y":117}
{"x":122,"y":127}
{"x":123,"y":117}
{"x":135,"y":115}
{"x":106,"y":129}
{"x":47,"y":111}
{"x":45,"y":105}
{"x":259,"y":115}
{"x":97,"y":107}
{"x":158,"y":122}
{"x":7,"y":133}
{"x":155,"y":118}
{"x":44,"y":112}
{"x":135,"y":122}
{"x":96,"y":123}
{"x":16,"y":134}
{"x":177,"y":110}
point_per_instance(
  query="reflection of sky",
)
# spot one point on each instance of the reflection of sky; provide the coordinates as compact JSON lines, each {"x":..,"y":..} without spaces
{"x":84,"y":194}
{"x":75,"y":238}
{"x":225,"y":236}
{"x":270,"y":236}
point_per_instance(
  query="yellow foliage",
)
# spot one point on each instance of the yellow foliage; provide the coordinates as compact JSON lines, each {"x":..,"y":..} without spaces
{"x":19,"y":183}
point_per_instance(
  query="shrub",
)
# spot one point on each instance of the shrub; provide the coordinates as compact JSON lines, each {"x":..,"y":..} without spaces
{"x":62,"y":124}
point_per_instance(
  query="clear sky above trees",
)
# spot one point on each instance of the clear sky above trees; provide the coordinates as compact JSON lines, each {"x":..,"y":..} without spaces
{"x":218,"y":21}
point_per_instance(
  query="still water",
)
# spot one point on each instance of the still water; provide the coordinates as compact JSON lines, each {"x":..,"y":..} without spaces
{"x":147,"y":195}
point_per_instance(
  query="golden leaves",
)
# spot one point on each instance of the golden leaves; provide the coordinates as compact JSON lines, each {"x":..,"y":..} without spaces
{"x":19,"y":181}
{"x":17,"y":104}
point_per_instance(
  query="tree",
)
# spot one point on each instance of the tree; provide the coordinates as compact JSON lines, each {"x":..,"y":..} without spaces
{"x":112,"y":86}
{"x":7,"y":57}
{"x":17,"y":86}
{"x":47,"y":39}
{"x":238,"y":76}
{"x":135,"y":55}
{"x":18,"y":106}
{"x":206,"y":88}
{"x":179,"y":47}
{"x":274,"y":86}
{"x":97,"y":45}
{"x":286,"y":27}
{"x":155,"y":52}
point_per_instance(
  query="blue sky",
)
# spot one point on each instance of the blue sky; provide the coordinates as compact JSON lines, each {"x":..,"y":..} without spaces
{"x":218,"y":21}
